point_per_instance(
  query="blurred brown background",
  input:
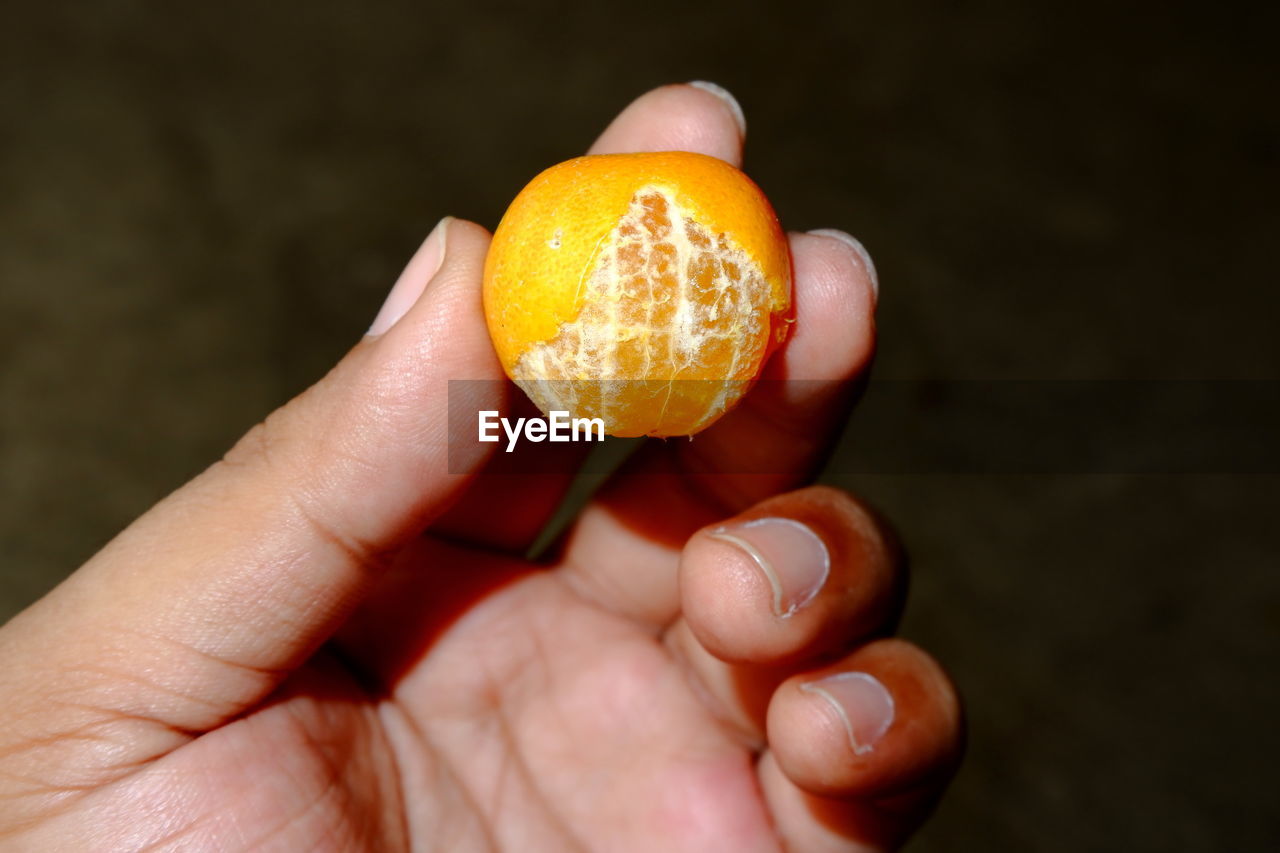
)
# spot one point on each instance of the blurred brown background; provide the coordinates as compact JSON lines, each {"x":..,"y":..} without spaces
{"x":202,"y":206}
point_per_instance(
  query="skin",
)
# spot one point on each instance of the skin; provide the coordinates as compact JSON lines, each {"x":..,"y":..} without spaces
{"x":327,"y":640}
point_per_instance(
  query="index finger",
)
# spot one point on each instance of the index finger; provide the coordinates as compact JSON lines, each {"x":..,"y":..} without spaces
{"x":697,"y":116}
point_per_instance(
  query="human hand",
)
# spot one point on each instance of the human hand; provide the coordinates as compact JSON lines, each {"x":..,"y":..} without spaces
{"x":326,"y":640}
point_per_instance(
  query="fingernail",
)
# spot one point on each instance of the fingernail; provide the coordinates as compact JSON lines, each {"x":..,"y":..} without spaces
{"x":859,"y":249}
{"x":729,"y":100}
{"x":791,"y":557}
{"x":413,"y":281}
{"x":861,"y":702}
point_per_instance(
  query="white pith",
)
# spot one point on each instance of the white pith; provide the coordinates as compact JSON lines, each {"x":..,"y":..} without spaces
{"x":582,"y":360}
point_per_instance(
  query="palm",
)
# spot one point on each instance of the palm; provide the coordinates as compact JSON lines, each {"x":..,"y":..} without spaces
{"x":534,"y":715}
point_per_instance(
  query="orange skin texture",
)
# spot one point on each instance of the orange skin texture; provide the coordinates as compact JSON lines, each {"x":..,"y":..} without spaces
{"x":545,"y":262}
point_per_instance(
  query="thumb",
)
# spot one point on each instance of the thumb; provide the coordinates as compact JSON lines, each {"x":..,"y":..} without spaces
{"x":199,"y":608}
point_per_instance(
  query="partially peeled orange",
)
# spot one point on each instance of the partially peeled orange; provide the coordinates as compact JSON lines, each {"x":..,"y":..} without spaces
{"x":644,"y":289}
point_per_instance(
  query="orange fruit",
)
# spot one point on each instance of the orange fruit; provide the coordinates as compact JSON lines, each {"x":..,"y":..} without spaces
{"x":644,"y":289}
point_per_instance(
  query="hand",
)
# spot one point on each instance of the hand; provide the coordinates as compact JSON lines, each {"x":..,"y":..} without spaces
{"x":278,"y":657}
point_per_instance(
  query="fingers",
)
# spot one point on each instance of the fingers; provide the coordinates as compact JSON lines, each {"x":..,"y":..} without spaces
{"x":701,"y":117}
{"x":773,"y":441}
{"x":798,"y":575}
{"x":530,"y":482}
{"x":879,"y":722}
{"x":799,"y":578}
{"x":201,"y":606}
{"x":784,"y":610}
{"x":861,"y":750}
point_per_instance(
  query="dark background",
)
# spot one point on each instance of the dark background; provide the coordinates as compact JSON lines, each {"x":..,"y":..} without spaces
{"x":202,"y":206}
